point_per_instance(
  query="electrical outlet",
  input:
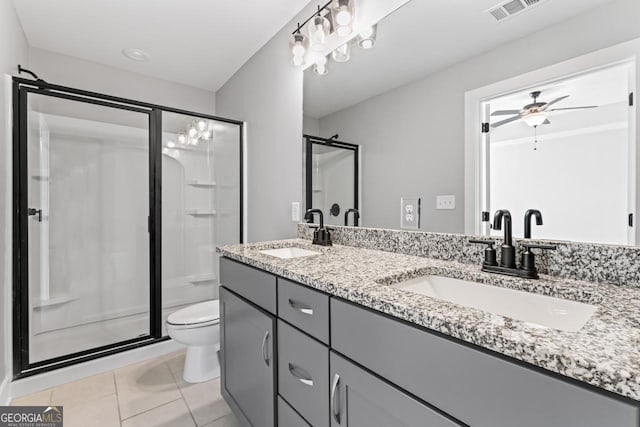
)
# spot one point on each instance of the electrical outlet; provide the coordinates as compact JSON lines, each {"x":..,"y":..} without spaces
{"x":295,"y":211}
{"x":447,"y":202}
{"x":410,"y":213}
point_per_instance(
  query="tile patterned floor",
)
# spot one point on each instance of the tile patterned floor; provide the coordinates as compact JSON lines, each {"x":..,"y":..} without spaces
{"x":148,"y":394}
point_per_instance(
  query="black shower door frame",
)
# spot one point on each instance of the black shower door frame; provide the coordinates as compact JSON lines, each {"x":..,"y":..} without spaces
{"x":20,"y":209}
{"x":309,"y":140}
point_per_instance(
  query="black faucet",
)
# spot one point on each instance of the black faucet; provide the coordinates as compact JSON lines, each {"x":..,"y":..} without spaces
{"x":507,"y":264}
{"x":527,"y":221}
{"x":507,"y":250}
{"x":356,"y":217}
{"x":321,"y":236}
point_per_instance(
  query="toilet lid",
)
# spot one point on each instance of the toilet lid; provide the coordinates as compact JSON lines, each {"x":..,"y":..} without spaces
{"x":198,"y":313}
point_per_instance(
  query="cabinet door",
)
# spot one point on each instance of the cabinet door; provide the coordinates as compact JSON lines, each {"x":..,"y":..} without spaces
{"x":248,"y":365}
{"x":360,"y":399}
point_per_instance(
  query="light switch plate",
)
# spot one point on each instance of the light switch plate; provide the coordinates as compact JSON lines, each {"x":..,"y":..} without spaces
{"x":295,"y":211}
{"x":447,"y":202}
{"x":410,"y":213}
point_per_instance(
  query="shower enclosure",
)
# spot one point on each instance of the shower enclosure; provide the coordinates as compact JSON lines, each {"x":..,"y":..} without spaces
{"x":331,"y":178}
{"x":118,"y":208}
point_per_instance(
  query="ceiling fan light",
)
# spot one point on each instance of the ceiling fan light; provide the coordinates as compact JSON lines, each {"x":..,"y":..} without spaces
{"x":535,"y":119}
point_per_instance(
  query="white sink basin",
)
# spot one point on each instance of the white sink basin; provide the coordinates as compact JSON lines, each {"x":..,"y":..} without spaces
{"x":539,"y":310}
{"x":288,"y":253}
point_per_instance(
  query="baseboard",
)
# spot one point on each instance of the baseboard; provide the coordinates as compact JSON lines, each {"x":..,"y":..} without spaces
{"x":5,"y":398}
{"x":50,"y":379}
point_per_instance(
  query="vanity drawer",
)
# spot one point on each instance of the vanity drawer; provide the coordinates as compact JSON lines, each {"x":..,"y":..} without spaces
{"x":253,"y":284}
{"x":287,"y":417}
{"x":304,"y":308}
{"x":303,"y":374}
{"x":478,"y":388}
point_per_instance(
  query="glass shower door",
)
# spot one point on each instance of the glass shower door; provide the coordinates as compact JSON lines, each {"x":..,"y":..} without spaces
{"x":86,"y":224}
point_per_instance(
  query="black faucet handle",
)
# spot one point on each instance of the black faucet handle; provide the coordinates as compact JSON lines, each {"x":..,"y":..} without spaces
{"x":529,"y":246}
{"x":490,"y":257}
{"x":488,"y":242}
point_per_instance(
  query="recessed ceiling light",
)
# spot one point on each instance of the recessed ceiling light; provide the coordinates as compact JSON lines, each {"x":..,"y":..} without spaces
{"x":135,"y":54}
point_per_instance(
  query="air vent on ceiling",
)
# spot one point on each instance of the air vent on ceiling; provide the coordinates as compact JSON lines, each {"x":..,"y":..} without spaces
{"x":511,"y":8}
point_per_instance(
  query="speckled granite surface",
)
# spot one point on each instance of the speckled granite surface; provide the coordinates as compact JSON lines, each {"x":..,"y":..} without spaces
{"x":604,"y":353}
{"x":618,"y":265}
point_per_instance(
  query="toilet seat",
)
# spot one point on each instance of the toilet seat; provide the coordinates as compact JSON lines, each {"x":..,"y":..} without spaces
{"x":195,"y":316}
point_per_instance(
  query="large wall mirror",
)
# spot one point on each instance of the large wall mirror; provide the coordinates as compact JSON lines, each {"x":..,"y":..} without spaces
{"x":470,"y":111}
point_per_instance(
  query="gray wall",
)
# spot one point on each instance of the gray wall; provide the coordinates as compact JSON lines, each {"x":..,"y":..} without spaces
{"x":413,"y":137}
{"x":267,"y":93}
{"x":13,"y":50}
{"x":81,"y":74}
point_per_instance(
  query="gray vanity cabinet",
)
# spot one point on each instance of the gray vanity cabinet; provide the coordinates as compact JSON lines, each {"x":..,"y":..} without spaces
{"x":360,"y":399}
{"x":248,"y":371}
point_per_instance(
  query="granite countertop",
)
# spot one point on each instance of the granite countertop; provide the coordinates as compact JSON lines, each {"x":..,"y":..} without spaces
{"x":604,"y":353}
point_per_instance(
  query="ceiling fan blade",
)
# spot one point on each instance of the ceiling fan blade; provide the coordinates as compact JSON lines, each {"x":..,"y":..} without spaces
{"x":504,"y":122}
{"x":505,"y":112}
{"x":574,"y":108}
{"x":549,"y":104}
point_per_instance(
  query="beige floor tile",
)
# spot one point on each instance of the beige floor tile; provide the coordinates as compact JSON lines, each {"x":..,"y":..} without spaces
{"x":174,"y":414}
{"x":175,"y":361}
{"x":205,"y":402}
{"x":228,"y":421}
{"x":87,"y":389}
{"x":144,"y":386}
{"x":35,"y":399}
{"x":101,"y":412}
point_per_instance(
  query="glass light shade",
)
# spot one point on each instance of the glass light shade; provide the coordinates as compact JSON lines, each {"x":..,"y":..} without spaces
{"x":192,"y":131}
{"x":319,"y":28}
{"x":367,"y":37}
{"x":171,"y":144}
{"x":182,"y":139}
{"x":535,"y":119}
{"x":202,"y":125}
{"x":206,"y":135}
{"x":344,"y":12}
{"x":344,"y":31}
{"x":320,"y":69}
{"x":298,"y":44}
{"x":297,"y":61}
{"x":342,"y":53}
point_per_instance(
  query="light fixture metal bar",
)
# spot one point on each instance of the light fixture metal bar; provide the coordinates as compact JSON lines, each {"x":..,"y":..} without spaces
{"x":320,"y":9}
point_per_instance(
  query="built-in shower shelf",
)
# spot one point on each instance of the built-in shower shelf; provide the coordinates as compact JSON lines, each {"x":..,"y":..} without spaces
{"x":55,"y":301}
{"x":201,"y":212}
{"x":201,"y":278}
{"x":200,"y":183}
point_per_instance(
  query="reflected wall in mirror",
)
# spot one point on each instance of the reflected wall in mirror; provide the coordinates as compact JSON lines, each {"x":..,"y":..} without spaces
{"x":531,"y":112}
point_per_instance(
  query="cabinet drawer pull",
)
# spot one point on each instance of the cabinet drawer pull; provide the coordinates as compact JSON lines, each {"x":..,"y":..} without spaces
{"x":335,"y":410}
{"x":265,"y":353}
{"x":301,"y":375}
{"x":302,"y":308}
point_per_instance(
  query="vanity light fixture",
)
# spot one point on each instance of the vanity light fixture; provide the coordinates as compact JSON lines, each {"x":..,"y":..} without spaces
{"x":344,"y":15}
{"x":367,"y":37}
{"x":320,"y":67}
{"x":319,"y":29}
{"x":135,"y":54}
{"x":342,"y":53}
{"x":298,"y":48}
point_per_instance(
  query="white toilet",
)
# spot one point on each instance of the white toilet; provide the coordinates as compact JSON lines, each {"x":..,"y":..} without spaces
{"x":197,"y":326}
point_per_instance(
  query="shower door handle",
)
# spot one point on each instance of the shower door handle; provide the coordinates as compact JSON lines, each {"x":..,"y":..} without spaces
{"x":33,"y":212}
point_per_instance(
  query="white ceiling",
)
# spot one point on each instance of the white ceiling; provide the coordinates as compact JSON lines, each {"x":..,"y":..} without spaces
{"x":200,"y":43}
{"x":422,"y":37}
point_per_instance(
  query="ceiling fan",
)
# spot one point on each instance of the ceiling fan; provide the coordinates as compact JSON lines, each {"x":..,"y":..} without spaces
{"x":534,"y":114}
